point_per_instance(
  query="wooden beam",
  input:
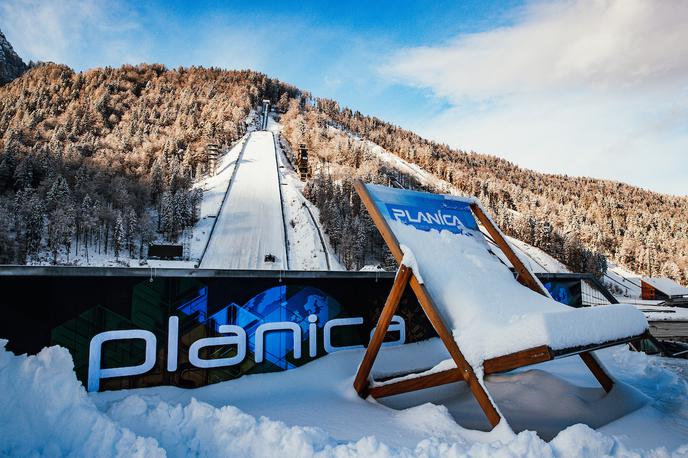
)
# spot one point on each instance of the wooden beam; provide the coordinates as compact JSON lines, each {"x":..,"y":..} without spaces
{"x":491,"y":366}
{"x":598,"y":346}
{"x":597,"y":370}
{"x":518,"y":359}
{"x":469,"y":375}
{"x":524,"y":276}
{"x":527,"y":278}
{"x":398,"y":288}
{"x":418,"y":383}
{"x":430,"y":311}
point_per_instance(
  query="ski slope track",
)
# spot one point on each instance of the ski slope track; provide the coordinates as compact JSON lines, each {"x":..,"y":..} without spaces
{"x":232,"y":174}
{"x":250,"y":224}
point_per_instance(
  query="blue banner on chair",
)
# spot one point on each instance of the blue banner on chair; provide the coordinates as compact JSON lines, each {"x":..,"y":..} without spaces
{"x":425,"y":211}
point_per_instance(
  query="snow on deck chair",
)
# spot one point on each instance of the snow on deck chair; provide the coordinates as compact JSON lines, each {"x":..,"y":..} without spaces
{"x":488,"y":321}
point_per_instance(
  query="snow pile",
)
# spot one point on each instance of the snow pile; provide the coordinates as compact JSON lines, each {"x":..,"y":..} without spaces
{"x":663,"y":312}
{"x":44,"y":410}
{"x":493,"y":315}
{"x":536,"y":259}
{"x":199,"y":429}
{"x":409,"y":260}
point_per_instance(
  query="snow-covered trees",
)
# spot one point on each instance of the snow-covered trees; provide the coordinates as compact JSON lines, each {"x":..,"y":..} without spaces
{"x":178,"y":211}
{"x":79,"y":149}
{"x":118,"y":235}
{"x":126,"y":137}
{"x":87,"y":222}
{"x":60,"y":216}
{"x":28,"y":213}
{"x":351,"y":232}
{"x":579,"y":221}
{"x":131,"y":229}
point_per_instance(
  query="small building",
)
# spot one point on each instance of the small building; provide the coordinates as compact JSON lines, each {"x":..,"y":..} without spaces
{"x":661,"y":288}
{"x":264,"y":116}
{"x":165,"y":251}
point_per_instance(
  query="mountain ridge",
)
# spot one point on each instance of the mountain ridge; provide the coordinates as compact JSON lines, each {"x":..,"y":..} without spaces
{"x":11,"y":65}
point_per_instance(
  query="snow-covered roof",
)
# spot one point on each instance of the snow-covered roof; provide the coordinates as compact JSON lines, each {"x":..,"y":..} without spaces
{"x":663,"y":313}
{"x":666,"y":285}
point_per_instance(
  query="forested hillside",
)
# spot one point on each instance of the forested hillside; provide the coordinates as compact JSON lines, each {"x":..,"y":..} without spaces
{"x":104,"y":160}
{"x":577,"y":220}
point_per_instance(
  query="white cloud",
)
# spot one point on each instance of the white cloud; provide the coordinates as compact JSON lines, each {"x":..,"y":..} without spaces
{"x":91,"y":33}
{"x":73,"y":31}
{"x":596,"y":88}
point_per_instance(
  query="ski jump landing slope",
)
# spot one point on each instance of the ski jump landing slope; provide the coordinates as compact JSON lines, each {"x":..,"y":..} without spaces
{"x":250,"y":224}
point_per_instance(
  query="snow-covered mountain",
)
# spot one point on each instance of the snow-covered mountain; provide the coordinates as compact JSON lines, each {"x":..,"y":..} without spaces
{"x":125,"y":153}
{"x":11,"y":65}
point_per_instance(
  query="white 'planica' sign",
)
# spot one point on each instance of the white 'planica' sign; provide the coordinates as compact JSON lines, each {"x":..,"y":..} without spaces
{"x":236,"y":335}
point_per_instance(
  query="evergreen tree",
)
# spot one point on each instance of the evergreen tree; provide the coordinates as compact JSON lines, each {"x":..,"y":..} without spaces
{"x":28,"y":211}
{"x":131,"y":228}
{"x":118,"y":239}
{"x":88,"y":221}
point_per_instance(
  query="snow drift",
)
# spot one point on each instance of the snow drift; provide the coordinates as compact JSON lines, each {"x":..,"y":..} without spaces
{"x":493,"y":315}
{"x":45,"y":411}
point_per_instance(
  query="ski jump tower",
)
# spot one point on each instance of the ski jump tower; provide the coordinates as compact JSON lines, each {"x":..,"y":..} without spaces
{"x":264,"y":117}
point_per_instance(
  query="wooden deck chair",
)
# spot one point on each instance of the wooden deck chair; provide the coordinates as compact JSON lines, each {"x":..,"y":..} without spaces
{"x":427,"y":229}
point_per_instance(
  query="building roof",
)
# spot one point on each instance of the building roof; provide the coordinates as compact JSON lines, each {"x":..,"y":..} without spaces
{"x":666,"y":285}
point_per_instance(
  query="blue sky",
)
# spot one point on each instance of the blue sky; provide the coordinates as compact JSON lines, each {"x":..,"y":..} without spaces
{"x":578,"y":87}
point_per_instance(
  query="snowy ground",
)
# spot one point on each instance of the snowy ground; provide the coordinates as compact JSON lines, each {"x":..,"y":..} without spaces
{"x":314,"y":411}
{"x":249,"y":226}
{"x":663,"y":312}
{"x":536,"y":259}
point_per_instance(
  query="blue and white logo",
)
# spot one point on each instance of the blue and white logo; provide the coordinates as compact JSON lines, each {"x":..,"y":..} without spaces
{"x":424,"y":219}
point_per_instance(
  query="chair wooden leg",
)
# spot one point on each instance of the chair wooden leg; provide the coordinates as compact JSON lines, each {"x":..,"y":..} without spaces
{"x":597,"y":370}
{"x":469,"y":376}
{"x":402,"y":279}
